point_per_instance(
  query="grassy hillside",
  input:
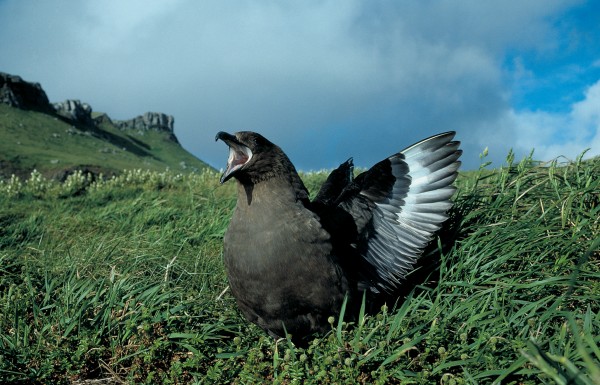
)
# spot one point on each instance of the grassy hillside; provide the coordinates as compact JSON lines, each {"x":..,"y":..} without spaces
{"x":32,"y":140}
{"x":124,"y":280}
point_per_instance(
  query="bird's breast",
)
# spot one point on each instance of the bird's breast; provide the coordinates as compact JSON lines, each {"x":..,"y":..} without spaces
{"x":273,"y":236}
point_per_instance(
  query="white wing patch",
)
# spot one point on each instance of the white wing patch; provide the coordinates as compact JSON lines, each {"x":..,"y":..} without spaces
{"x":404,"y":222}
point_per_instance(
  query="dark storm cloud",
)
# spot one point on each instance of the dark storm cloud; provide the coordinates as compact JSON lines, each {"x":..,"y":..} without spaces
{"x":326,"y":80}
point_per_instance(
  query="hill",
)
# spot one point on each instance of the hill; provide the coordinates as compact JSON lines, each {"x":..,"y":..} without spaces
{"x":57,"y":139}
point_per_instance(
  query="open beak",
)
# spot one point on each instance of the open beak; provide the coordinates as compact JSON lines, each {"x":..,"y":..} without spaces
{"x":239,"y":155}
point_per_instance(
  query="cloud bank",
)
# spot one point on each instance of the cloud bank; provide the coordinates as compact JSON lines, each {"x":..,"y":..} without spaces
{"x":325,"y":80}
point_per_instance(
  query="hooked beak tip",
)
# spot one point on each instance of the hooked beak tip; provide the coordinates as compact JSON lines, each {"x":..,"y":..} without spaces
{"x":225,"y":137}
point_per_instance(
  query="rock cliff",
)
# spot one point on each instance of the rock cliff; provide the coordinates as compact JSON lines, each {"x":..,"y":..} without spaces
{"x":155,"y":121}
{"x":75,"y":111}
{"x":18,"y":93}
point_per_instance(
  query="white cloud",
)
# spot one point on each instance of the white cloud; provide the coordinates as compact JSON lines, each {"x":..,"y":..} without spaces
{"x":111,"y":25}
{"x":324,"y":79}
{"x":552,"y":135}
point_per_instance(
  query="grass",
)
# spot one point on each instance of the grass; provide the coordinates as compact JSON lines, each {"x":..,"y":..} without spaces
{"x":123,"y":279}
{"x":33,"y":140}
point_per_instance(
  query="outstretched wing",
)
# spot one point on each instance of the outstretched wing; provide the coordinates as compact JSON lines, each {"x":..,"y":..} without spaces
{"x":407,"y":196}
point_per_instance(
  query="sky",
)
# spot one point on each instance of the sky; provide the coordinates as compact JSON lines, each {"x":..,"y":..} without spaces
{"x":326,"y":80}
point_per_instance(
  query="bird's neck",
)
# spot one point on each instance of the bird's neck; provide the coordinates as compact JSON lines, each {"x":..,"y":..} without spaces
{"x":270,"y":191}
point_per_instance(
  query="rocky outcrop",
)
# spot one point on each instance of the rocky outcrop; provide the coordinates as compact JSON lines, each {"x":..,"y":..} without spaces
{"x":103,"y":118}
{"x":149,"y":121}
{"x":75,"y":111}
{"x":18,"y":93}
{"x":155,"y":121}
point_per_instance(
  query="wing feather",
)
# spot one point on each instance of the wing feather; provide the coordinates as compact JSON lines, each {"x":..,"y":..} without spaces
{"x":394,"y":208}
{"x":408,"y":213}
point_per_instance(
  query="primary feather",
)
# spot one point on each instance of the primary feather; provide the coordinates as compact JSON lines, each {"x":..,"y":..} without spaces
{"x":290,"y":261}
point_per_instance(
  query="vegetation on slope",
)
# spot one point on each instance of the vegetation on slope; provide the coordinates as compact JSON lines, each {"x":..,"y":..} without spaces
{"x":54,"y":146}
{"x":123,"y":279}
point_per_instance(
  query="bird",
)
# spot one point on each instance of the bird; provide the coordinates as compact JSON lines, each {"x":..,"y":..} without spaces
{"x":292,"y":262}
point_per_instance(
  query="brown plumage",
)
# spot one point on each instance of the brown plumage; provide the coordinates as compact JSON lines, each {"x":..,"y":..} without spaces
{"x":290,"y":261}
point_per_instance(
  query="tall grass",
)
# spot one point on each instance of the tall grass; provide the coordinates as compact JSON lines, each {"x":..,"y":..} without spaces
{"x":123,"y":279}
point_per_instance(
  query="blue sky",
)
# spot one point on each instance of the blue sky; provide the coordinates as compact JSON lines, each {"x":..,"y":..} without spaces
{"x":565,"y":71}
{"x":325,"y":80}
